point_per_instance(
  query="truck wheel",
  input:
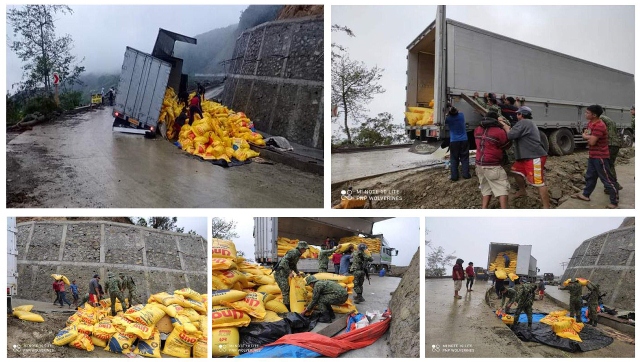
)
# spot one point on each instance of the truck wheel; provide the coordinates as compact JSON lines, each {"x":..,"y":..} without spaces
{"x":545,"y":140}
{"x":561,"y":142}
{"x":627,"y":138}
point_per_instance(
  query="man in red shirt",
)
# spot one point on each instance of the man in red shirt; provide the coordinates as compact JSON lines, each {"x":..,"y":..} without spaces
{"x":598,"y":167}
{"x":56,"y":290}
{"x":336,"y":262}
{"x":458,"y":277}
{"x":491,"y":141}
{"x":470,"y":276}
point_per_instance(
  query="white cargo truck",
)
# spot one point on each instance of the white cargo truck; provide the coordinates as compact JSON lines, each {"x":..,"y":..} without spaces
{"x":526,"y":264}
{"x":449,"y":61}
{"x":12,"y":261}
{"x":314,"y":230}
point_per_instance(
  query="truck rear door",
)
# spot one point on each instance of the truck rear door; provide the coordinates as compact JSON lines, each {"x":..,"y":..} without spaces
{"x":266,"y":236}
{"x":440,"y":83}
{"x":12,"y":257}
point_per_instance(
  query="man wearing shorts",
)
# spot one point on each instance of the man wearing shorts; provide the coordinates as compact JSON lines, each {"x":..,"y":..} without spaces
{"x":94,"y":293}
{"x":458,"y":277}
{"x":530,"y":155}
{"x":491,"y":140}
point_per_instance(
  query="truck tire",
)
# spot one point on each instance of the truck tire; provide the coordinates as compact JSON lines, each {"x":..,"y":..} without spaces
{"x":561,"y":142}
{"x":545,"y":140}
{"x":627,"y":138}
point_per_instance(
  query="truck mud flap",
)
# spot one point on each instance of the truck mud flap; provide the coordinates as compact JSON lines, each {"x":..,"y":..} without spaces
{"x":425,"y":148}
{"x":130,"y":130}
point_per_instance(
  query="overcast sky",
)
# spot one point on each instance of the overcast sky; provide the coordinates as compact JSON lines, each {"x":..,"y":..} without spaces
{"x":401,"y":233}
{"x":600,"y":34}
{"x":102,"y":33}
{"x":197,"y":224}
{"x":553,"y":240}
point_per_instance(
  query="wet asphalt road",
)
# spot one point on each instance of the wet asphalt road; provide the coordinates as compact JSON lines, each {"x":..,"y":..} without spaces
{"x":80,"y":163}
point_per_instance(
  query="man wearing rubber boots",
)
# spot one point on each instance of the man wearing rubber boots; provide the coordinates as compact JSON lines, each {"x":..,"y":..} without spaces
{"x":525,"y":295}
{"x":323,"y":259}
{"x":575,"y":299}
{"x":288,"y":267}
{"x":359,"y":262}
{"x":114,"y":286}
{"x":127,"y":284}
{"x":325,"y":294}
{"x":592,"y":302}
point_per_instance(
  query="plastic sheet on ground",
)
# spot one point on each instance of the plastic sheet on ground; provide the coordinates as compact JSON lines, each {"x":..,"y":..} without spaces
{"x":326,"y":346}
{"x":281,"y":351}
{"x":536,"y":317}
{"x":592,"y":338}
{"x":259,"y":334}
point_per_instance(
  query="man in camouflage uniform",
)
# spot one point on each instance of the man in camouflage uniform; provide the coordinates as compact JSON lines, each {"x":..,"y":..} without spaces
{"x":128,"y":284}
{"x":490,"y":104}
{"x":358,"y":263}
{"x":325,"y":294}
{"x":114,"y":288}
{"x":525,"y":294}
{"x":592,"y":302}
{"x":323,"y":259}
{"x":288,"y":267}
{"x":508,"y":298}
{"x":614,"y":148}
{"x":575,"y":299}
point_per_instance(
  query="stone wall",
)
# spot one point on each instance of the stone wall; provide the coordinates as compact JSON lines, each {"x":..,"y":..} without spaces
{"x":405,"y":308}
{"x":609,"y":260}
{"x":157,"y":260}
{"x":276,"y":77}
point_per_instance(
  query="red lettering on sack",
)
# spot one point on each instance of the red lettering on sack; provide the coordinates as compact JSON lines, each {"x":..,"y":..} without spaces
{"x":187,"y":338}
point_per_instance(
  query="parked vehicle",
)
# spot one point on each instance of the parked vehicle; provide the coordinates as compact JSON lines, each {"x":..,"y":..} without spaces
{"x":449,"y":61}
{"x":12,"y":262}
{"x":526,"y":264}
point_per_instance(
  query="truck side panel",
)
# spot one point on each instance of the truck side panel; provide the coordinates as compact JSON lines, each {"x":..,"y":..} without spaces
{"x":12,"y":257}
{"x":266,"y":239}
{"x":142,"y":86}
{"x":533,"y":267}
{"x":524,"y":257}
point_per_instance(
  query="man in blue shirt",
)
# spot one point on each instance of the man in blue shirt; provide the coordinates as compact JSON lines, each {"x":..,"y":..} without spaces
{"x":345,"y":261}
{"x":458,"y":143}
{"x":74,"y":292}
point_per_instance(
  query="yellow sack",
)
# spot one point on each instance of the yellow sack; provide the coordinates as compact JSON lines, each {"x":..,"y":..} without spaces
{"x":225,"y":342}
{"x":276,"y":306}
{"x":198,"y":306}
{"x":265,"y":280}
{"x":227,"y":295}
{"x":24,"y":308}
{"x":270,"y":289}
{"x":343,"y":247}
{"x":74,"y":319}
{"x":201,"y":349}
{"x":413,"y":118}
{"x":149,"y":347}
{"x":204,"y":324}
{"x":179,"y":343}
{"x":228,"y":317}
{"x":120,"y":342}
{"x":189,"y":293}
{"x":165,"y":298}
{"x":148,"y":316}
{"x":252,"y":304}
{"x":345,"y":308}
{"x":583,"y":281}
{"x":191,"y":314}
{"x":268,"y":317}
{"x":217,"y":283}
{"x":225,"y":249}
{"x":172,"y":310}
{"x":140,"y":330}
{"x":222,"y":264}
{"x":56,"y":276}
{"x":28,"y":316}
{"x":137,"y":308}
{"x":508,"y":319}
{"x":84,"y":329}
{"x":66,"y":336}
{"x":346,"y":279}
{"x":104,"y":330}
{"x":98,"y":342}
{"x":297,"y":294}
{"x":66,"y":280}
{"x":564,"y":329}
{"x":566,"y":282}
{"x":82,"y":341}
{"x":501,"y":274}
{"x":513,"y":276}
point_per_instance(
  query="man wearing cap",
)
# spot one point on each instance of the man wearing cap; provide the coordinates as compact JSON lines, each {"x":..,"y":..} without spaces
{"x":94,"y":292}
{"x":525,"y":294}
{"x":508,"y":298}
{"x":323,"y":259}
{"x":614,"y":147}
{"x":359,"y":262}
{"x":325,"y":294}
{"x":597,"y":138}
{"x":114,"y":288}
{"x":575,"y":299}
{"x":491,"y":141}
{"x":491,"y":104}
{"x":508,"y":109}
{"x":288,"y":268}
{"x":530,"y":155}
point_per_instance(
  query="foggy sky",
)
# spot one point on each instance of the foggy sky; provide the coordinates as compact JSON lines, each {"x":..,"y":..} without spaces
{"x":401,"y":233}
{"x":600,"y":34}
{"x":553,"y":239}
{"x":197,"y":224}
{"x":102,"y":33}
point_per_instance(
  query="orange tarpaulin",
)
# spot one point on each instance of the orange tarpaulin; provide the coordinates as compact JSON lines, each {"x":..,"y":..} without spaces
{"x":334,"y":347}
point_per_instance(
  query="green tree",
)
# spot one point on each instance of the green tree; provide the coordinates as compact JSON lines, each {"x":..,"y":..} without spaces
{"x":378,"y":131}
{"x":162,"y":223}
{"x":438,"y":260}
{"x":41,"y":51}
{"x":222,"y":229}
{"x":353,"y":85}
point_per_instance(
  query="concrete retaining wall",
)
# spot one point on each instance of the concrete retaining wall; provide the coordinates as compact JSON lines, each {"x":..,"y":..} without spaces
{"x":276,"y":77}
{"x":609,"y":260}
{"x":157,"y":260}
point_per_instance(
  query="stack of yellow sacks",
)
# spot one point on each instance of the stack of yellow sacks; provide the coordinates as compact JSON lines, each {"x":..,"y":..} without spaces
{"x":563,"y":325}
{"x":244,"y":292}
{"x":373,"y":244}
{"x":182,"y":315}
{"x":420,"y":116}
{"x":286,"y":244}
{"x":220,"y":135}
{"x":342,"y":247}
{"x":24,"y":312}
{"x":502,"y":270}
{"x":582,"y":282}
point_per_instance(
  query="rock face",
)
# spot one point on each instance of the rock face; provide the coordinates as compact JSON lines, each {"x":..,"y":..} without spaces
{"x":157,"y":260}
{"x":299,"y":11}
{"x":609,"y":260}
{"x":404,"y":332}
{"x":628,"y":221}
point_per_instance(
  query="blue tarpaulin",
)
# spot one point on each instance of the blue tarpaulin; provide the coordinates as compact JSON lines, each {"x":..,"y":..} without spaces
{"x":281,"y":351}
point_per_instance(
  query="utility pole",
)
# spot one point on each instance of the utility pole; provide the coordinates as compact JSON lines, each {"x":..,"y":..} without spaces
{"x":563,"y":264}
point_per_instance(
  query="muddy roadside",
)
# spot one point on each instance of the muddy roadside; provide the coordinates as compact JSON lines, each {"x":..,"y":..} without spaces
{"x":431,"y":188}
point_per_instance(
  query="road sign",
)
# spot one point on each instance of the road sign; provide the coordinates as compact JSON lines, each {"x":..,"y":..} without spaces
{"x":56,"y":78}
